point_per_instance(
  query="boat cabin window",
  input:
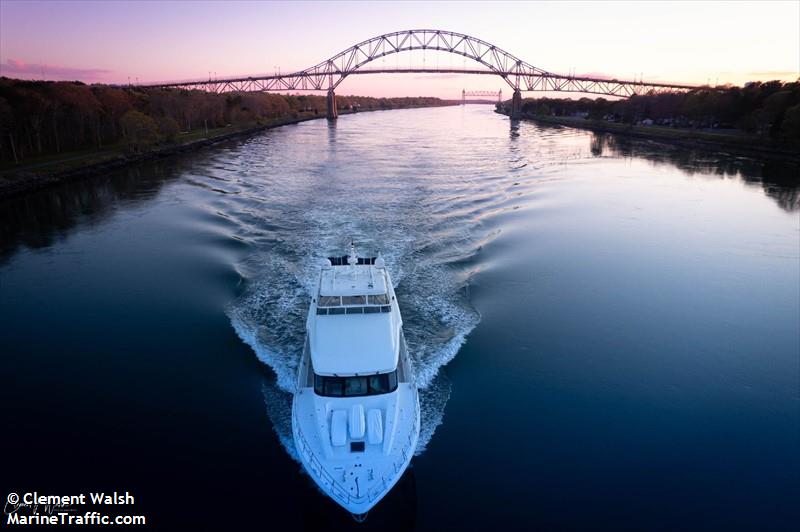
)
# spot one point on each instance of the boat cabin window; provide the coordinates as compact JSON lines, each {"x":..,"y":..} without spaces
{"x":353,"y":301}
{"x":355,"y":386}
{"x":322,"y":311}
{"x":380,"y":299}
{"x":328,"y":301}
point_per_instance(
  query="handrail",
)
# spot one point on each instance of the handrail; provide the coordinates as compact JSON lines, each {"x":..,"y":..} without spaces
{"x":316,"y":467}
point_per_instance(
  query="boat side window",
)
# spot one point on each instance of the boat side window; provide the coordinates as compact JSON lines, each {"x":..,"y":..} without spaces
{"x":328,"y":301}
{"x":354,"y":300}
{"x":380,"y":299}
{"x":355,"y":386}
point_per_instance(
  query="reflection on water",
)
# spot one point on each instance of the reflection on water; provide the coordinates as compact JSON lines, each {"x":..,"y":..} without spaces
{"x":36,"y":220}
{"x":780,"y":179}
{"x":564,"y":240}
{"x":429,"y":229}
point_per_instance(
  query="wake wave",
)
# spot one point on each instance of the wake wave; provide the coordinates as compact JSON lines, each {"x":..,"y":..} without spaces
{"x":270,"y":317}
{"x":428,"y":212}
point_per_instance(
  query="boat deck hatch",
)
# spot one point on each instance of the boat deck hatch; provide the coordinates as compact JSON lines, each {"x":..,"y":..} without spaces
{"x":356,"y":446}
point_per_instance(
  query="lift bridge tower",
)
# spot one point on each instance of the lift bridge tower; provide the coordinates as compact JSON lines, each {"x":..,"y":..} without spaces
{"x":465,"y":93}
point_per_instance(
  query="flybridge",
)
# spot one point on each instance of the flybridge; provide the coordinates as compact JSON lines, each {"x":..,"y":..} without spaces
{"x":353,"y":281}
{"x":344,"y":260}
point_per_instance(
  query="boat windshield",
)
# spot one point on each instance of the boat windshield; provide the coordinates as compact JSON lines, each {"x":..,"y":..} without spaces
{"x":349,"y":301}
{"x":329,"y":301}
{"x":355,"y":386}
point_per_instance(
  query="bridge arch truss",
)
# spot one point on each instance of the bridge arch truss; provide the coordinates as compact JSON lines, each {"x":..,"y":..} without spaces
{"x":518,"y":74}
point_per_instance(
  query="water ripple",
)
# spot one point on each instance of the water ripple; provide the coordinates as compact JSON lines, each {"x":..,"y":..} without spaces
{"x":301,"y":193}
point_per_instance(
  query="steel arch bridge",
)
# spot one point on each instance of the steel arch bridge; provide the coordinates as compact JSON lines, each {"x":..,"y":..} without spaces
{"x":520,"y":76}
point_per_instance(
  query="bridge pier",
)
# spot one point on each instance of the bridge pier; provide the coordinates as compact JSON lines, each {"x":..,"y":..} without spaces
{"x":332,"y":111}
{"x":516,"y":105}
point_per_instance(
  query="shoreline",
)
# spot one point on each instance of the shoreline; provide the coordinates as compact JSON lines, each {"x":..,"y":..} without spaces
{"x":684,"y":138}
{"x":25,"y":182}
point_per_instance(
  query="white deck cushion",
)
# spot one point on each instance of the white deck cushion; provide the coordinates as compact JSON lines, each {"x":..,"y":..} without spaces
{"x":338,"y":428}
{"x":357,"y":422}
{"x":374,"y":426}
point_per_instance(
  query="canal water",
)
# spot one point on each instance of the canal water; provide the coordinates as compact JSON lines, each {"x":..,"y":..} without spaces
{"x":607,"y":330}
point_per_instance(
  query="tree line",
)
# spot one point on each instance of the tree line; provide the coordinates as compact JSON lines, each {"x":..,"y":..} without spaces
{"x":770,"y":109}
{"x":44,"y":118}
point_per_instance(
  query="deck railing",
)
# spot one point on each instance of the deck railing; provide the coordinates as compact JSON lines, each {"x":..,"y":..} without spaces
{"x":327,"y":480}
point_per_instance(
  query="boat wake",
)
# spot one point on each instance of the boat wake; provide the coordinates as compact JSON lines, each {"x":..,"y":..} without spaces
{"x":270,"y":317}
{"x":429,"y":221}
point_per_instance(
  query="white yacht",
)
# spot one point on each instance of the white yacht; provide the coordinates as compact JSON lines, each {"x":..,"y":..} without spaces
{"x":355,"y":414}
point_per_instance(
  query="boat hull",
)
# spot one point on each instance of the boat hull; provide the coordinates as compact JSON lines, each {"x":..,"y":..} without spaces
{"x":356,"y":480}
{"x":330,"y":476}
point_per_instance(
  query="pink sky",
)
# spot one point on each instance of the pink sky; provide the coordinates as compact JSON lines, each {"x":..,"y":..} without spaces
{"x":716,"y":42}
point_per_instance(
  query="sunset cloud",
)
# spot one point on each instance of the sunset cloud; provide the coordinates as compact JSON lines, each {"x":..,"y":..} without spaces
{"x":18,"y":68}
